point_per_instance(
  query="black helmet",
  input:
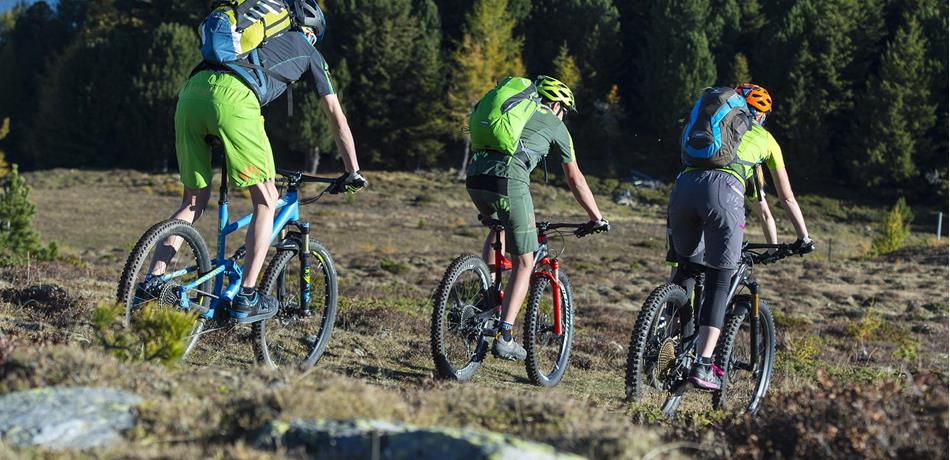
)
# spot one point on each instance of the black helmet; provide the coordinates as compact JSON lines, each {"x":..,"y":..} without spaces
{"x":308,"y":14}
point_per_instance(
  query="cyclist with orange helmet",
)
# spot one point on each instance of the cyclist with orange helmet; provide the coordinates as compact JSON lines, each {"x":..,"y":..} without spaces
{"x":707,"y":221}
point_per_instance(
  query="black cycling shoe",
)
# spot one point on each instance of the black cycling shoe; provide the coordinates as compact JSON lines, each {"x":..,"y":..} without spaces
{"x":253,"y":308}
{"x":147,"y":290}
{"x":509,"y":350}
{"x":706,"y":376}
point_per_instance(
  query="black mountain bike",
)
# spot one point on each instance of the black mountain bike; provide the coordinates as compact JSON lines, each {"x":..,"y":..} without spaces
{"x":467,"y":309}
{"x":664,"y":340}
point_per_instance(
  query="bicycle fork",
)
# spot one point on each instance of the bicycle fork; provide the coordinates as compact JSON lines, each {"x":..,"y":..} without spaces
{"x":754,"y":325}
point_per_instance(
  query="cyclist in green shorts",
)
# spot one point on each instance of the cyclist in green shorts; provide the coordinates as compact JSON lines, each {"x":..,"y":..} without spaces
{"x":224,"y":101}
{"x":498,"y":185}
{"x":707,"y":220}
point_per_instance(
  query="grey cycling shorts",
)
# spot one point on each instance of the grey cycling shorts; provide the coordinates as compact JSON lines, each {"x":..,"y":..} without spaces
{"x":707,"y":208}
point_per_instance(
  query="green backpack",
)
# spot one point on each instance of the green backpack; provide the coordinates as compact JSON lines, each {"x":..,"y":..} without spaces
{"x":500,"y":116}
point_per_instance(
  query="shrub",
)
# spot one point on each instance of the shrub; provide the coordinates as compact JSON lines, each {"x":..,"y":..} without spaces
{"x":393,"y":266}
{"x":156,"y":333}
{"x":19,"y":242}
{"x":893,"y":229}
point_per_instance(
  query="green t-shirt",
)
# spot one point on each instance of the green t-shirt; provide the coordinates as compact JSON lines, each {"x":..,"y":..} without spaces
{"x":757,"y":147}
{"x":543,"y":133}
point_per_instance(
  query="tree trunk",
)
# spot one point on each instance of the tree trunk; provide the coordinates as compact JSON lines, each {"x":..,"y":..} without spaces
{"x":312,"y":161}
{"x":461,"y":174}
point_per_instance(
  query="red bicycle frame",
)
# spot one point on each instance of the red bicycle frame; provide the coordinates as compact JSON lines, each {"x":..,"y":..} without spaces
{"x":503,"y":263}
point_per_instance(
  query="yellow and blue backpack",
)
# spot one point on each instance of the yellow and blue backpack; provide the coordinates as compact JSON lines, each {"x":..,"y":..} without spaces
{"x":234,"y":28}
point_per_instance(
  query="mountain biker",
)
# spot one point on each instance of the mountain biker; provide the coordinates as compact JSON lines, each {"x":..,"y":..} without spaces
{"x":498,"y":185}
{"x":707,"y":219}
{"x":225,"y":100}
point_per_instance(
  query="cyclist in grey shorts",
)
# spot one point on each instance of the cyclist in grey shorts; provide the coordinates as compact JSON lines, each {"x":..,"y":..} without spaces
{"x":707,"y":221}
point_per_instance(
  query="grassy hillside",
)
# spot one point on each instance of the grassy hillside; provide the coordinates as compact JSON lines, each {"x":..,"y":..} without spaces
{"x":861,"y":356}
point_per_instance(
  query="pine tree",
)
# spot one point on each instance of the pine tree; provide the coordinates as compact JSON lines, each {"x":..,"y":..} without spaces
{"x":489,"y":52}
{"x":680,"y":64}
{"x":168,"y":62}
{"x":18,"y":240}
{"x":386,"y":50}
{"x":565,"y":68}
{"x":739,"y":71}
{"x":591,"y":31}
{"x":896,"y":114}
{"x":805,"y":70}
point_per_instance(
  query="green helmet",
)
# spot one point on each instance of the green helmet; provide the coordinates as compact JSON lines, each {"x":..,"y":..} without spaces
{"x":553,"y":90}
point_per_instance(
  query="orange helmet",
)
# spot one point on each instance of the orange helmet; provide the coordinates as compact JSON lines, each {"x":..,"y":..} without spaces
{"x":756,"y":96}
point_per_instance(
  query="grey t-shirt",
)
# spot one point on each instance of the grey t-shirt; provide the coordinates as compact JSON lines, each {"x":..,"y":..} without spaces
{"x":291,"y":56}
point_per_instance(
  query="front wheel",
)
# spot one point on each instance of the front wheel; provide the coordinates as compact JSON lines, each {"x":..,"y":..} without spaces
{"x":459,"y":305}
{"x":299,"y":333}
{"x":745,"y":381}
{"x":548,"y":352}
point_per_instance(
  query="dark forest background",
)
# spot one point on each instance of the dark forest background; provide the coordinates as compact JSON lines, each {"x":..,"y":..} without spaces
{"x":860,"y":86}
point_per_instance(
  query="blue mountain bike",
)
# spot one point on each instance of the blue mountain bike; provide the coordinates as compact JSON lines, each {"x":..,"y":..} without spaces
{"x":301,"y":275}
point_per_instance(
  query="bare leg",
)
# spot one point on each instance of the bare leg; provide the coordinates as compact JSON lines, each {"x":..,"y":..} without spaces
{"x":522,"y":266}
{"x":264,"y":197}
{"x":193,"y":203}
{"x":708,"y":336}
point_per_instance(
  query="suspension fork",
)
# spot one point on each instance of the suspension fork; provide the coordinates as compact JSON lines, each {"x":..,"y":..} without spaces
{"x":305,"y":268}
{"x":552,"y":276}
{"x":754,"y":324}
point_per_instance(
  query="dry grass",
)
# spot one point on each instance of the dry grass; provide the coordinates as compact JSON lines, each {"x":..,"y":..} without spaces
{"x":391,"y":245}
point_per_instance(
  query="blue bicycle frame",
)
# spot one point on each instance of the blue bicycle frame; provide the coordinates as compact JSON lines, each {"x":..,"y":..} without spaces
{"x":288,"y":212}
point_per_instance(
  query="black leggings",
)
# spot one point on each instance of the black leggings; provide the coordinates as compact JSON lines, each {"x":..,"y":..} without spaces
{"x":715,"y":290}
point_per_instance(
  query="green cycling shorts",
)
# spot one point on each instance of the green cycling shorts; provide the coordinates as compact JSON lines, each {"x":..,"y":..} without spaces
{"x":220,"y":104}
{"x":510,"y":202}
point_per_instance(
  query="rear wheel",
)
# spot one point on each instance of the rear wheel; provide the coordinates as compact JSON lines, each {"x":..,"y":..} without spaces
{"x":656,"y":337}
{"x":744,"y":384}
{"x":458,"y":308}
{"x":548,"y":353}
{"x":298,"y":335}
{"x":191,"y":260}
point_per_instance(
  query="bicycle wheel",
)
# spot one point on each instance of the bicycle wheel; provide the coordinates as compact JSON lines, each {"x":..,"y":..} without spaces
{"x":744,"y":385}
{"x":653,"y":344}
{"x":298,"y":335}
{"x":192,"y":258}
{"x":458,"y":347}
{"x":548,"y":353}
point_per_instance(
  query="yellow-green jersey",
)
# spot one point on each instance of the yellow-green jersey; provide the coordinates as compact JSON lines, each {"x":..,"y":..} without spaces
{"x":757,"y":147}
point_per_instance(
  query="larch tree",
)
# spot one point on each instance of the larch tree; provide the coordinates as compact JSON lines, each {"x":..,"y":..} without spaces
{"x":489,"y":51}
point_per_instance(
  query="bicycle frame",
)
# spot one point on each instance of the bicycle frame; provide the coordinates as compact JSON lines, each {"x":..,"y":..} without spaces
{"x":541,"y":259}
{"x":287,"y":213}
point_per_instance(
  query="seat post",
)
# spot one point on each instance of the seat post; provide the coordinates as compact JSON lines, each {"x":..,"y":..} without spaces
{"x":223,"y":191}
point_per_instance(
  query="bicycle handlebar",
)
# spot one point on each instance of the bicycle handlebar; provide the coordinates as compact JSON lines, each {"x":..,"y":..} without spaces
{"x":779,"y":252}
{"x":299,"y":177}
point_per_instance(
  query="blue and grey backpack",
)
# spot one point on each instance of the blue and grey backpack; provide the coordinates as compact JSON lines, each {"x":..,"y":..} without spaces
{"x":715,"y":128}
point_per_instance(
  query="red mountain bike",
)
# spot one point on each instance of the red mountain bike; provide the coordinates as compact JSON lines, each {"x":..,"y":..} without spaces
{"x":467,"y":309}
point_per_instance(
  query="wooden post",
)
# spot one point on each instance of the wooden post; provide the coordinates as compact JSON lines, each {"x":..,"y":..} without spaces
{"x":939,"y":224}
